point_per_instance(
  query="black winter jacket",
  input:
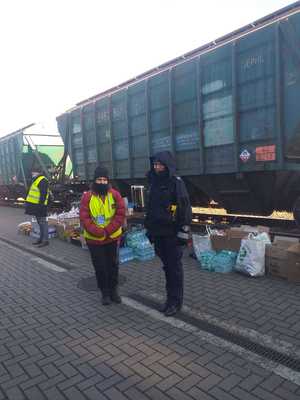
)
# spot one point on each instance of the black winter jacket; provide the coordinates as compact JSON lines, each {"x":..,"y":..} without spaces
{"x":38,"y":210}
{"x":165,"y":191}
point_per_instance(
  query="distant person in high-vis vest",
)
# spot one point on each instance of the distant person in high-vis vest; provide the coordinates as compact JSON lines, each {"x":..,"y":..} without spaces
{"x":37,"y":204}
{"x":102,"y":214}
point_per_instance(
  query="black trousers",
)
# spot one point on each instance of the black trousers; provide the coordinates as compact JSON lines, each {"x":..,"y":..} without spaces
{"x":106,"y":264}
{"x":170,"y":253}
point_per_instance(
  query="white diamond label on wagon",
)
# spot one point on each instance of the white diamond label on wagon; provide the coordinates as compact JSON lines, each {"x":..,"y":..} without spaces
{"x":245,"y":155}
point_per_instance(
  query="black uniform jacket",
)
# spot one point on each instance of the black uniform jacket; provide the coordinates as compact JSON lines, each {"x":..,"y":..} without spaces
{"x":166,"y":190}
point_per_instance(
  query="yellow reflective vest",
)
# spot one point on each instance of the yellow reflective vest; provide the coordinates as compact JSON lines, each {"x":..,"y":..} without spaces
{"x":34,"y":193}
{"x":102,"y":213}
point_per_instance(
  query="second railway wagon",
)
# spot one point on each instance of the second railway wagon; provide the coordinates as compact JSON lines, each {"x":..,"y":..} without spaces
{"x":229,"y":111}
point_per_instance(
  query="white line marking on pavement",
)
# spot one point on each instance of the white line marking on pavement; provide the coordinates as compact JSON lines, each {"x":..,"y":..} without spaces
{"x":37,"y":260}
{"x":46,"y":264}
{"x":271,"y":366}
{"x":276,"y":344}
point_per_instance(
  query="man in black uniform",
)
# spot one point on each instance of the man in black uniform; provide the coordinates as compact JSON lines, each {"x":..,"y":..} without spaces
{"x":167,"y":221}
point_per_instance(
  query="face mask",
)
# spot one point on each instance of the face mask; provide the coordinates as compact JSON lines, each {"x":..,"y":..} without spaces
{"x":100,"y":188}
{"x":163,"y":174}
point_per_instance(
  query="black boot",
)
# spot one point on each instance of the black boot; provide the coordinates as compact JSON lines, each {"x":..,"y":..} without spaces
{"x":105,"y":298}
{"x":115,"y":296}
{"x":163,"y":307}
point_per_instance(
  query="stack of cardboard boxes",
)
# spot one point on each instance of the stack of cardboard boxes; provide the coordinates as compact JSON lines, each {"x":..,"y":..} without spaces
{"x":283,"y":259}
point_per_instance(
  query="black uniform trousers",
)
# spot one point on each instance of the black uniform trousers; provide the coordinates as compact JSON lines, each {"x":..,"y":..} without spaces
{"x":106,"y":265}
{"x":170,"y":253}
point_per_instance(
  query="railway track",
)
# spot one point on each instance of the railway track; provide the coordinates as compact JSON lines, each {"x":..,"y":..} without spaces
{"x":278,"y":226}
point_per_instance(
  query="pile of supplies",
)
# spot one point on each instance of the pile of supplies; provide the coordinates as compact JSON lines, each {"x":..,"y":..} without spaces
{"x":248,"y":250}
{"x":137,"y":246}
{"x":235,"y":249}
{"x":65,"y":226}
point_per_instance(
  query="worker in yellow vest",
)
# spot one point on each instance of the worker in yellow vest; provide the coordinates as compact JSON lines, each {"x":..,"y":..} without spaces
{"x":37,"y":204}
{"x":102,"y":214}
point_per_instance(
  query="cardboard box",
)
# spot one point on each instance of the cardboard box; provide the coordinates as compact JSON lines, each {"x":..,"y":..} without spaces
{"x":230,"y":241}
{"x":290,"y":240}
{"x":293,"y":273}
{"x":276,"y":259}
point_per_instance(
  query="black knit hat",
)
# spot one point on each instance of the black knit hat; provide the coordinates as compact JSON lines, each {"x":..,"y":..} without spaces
{"x":100,"y":172}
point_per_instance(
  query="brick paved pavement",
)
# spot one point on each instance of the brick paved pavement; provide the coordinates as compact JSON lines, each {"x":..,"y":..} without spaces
{"x":58,"y":342}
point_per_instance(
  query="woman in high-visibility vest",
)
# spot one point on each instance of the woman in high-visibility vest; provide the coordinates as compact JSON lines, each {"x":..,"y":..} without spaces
{"x":102,"y":214}
{"x":37,"y":204}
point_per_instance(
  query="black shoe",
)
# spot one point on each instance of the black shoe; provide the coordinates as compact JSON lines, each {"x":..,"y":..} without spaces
{"x":106,"y":300}
{"x":171,"y":310}
{"x":37,"y":242}
{"x":43,"y":244}
{"x":163,"y":307}
{"x":115,"y":297}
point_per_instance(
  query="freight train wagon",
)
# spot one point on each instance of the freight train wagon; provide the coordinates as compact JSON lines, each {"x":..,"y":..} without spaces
{"x":20,"y":151}
{"x":229,"y":111}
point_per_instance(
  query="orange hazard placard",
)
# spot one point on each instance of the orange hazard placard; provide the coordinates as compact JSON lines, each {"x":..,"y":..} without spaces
{"x":266,"y":153}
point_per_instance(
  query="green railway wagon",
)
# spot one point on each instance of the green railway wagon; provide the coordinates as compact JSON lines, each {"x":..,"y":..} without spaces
{"x":20,"y":151}
{"x":229,"y":111}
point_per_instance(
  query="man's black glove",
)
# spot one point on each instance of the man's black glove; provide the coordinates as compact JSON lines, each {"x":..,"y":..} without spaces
{"x":183,"y":235}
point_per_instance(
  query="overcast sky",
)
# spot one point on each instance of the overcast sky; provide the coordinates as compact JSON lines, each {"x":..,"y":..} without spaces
{"x":55,"y":53}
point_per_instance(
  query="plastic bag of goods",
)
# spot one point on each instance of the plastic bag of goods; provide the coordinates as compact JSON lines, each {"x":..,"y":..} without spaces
{"x":251,"y":257}
{"x":24,"y":228}
{"x":206,"y":260}
{"x":125,"y":254}
{"x":201,"y":243}
{"x":134,"y":237}
{"x":224,"y":261}
{"x":142,"y":248}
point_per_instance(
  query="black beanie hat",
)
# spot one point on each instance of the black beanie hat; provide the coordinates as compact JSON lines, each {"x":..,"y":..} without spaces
{"x":100,"y":172}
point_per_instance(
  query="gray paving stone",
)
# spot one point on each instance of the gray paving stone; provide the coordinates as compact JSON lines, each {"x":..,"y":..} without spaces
{"x":34,"y":393}
{"x":285,"y":394}
{"x":198,"y":369}
{"x":54,"y":393}
{"x":242,"y":394}
{"x":135,"y":394}
{"x":198,"y":394}
{"x":209,"y":382}
{"x":129,"y":382}
{"x":74,"y":394}
{"x":149,"y":382}
{"x":68,"y":370}
{"x":230,"y":382}
{"x":156,"y":394}
{"x":177,"y":394}
{"x":221,"y":394}
{"x":141,"y":370}
{"x":67,"y":383}
{"x":33,"y":382}
{"x":109,"y":382}
{"x":271,"y":383}
{"x":264,"y":395}
{"x":50,"y":370}
{"x":14,"y":393}
{"x":115,"y":394}
{"x":94,"y":394}
{"x":251,"y":382}
{"x":169,"y":382}
{"x":160,"y":370}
